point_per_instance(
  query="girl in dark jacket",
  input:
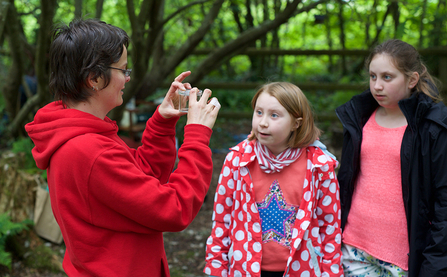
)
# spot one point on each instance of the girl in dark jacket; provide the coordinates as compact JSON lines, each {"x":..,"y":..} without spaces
{"x":393,"y":176}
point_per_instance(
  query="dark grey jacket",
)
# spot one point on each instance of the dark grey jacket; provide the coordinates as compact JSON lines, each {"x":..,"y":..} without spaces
{"x":424,"y":174}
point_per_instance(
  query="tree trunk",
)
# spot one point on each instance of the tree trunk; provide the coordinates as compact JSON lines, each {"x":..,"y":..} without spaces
{"x":78,"y":8}
{"x":329,"y":39}
{"x":3,"y":15}
{"x":215,"y":59}
{"x":42,"y":97}
{"x":341,"y":22}
{"x":162,"y":64}
{"x":438,"y":23}
{"x":380,"y":28}
{"x":13,"y":81}
{"x":421,"y":24}
{"x":396,"y":16}
{"x":48,"y":8}
{"x":99,"y":7}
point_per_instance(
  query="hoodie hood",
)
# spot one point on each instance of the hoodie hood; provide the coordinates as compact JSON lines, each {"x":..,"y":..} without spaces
{"x":54,"y":125}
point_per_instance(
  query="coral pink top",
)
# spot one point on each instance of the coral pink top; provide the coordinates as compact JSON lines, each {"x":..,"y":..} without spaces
{"x":290,"y":182}
{"x":377,"y":223}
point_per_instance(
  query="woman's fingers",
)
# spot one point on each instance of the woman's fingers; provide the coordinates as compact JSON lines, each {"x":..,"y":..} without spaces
{"x":169,"y":107}
{"x":182,"y":76}
{"x":202,"y":112}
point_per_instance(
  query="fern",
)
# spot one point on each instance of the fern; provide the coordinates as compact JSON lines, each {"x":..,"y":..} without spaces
{"x":8,"y":229}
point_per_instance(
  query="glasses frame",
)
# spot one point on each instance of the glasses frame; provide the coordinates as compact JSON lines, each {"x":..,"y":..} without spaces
{"x":126,"y":72}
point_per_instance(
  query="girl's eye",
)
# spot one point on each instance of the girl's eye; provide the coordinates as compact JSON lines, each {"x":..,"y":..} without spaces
{"x":373,"y":77}
{"x":258,"y":112}
{"x":387,"y":77}
{"x":275,"y":115}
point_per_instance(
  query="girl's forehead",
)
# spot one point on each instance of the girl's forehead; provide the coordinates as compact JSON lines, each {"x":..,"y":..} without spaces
{"x":268,"y":102}
{"x":382,"y":62}
{"x":265,"y":98}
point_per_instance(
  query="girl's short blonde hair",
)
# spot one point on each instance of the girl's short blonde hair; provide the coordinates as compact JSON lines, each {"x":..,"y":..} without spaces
{"x":295,"y":102}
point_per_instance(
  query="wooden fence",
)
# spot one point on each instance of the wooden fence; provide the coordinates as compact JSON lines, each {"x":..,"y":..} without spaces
{"x":440,"y":52}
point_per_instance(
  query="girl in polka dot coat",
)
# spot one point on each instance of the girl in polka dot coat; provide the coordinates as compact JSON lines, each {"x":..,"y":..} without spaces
{"x":241,"y":226}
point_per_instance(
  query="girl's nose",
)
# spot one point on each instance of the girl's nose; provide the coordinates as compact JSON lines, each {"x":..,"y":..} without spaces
{"x":263,"y":122}
{"x":127,"y":79}
{"x":378,"y":85}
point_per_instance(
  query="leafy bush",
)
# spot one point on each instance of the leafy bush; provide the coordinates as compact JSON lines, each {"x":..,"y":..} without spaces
{"x":25,"y":145}
{"x":8,"y":229}
{"x":235,"y":100}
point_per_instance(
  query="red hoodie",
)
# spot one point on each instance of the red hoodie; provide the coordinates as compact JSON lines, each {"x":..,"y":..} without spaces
{"x":112,"y":202}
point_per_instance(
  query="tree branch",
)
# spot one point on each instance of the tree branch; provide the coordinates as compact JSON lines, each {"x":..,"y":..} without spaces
{"x":21,"y":116}
{"x":238,"y":44}
{"x":99,"y":8}
{"x":3,"y":14}
{"x":182,"y":9}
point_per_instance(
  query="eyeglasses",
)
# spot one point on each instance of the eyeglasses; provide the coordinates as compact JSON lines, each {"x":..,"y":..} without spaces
{"x":126,"y":72}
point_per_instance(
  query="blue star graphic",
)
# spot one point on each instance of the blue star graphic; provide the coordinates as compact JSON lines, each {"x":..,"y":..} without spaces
{"x":273,"y":217}
{"x":277,"y":216}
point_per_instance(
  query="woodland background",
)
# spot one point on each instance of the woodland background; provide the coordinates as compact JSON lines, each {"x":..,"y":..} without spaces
{"x":231,"y":47}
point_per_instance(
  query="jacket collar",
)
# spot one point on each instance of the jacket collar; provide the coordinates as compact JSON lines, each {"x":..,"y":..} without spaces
{"x":357,"y":111}
{"x":420,"y":106}
{"x":415,"y":108}
{"x":245,"y":151}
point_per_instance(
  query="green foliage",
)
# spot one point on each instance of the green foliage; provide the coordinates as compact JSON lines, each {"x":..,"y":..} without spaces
{"x":8,"y":229}
{"x":234,"y":100}
{"x":41,"y":258}
{"x":25,"y":145}
{"x":362,"y":22}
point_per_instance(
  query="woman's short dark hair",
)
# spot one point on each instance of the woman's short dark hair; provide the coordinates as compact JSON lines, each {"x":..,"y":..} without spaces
{"x":79,"y":49}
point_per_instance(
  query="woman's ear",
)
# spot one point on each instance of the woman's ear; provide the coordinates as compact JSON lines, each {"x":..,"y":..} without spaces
{"x":413,"y":80}
{"x":93,"y":82}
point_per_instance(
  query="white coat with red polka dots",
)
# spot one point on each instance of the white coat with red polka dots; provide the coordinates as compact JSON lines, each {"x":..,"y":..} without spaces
{"x":316,"y":234}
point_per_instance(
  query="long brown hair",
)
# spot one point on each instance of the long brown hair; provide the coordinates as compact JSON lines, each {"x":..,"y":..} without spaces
{"x":407,"y":60}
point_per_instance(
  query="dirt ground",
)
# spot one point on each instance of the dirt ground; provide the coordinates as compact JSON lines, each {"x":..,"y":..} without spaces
{"x":185,"y":250}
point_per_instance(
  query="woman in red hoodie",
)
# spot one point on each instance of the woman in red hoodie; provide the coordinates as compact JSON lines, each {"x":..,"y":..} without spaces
{"x":113,"y":203}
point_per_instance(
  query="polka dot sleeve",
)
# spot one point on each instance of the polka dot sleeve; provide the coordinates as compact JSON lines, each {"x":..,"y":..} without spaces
{"x":219,"y":242}
{"x":329,"y":219}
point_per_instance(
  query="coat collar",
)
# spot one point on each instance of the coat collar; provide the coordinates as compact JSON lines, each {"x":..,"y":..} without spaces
{"x":415,"y":108}
{"x":245,"y":154}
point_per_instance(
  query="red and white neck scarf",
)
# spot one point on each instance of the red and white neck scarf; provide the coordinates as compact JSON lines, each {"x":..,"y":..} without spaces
{"x":271,"y":164}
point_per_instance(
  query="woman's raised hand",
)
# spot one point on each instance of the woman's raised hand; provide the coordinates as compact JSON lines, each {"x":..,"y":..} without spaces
{"x":168,"y":108}
{"x":203,"y":111}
